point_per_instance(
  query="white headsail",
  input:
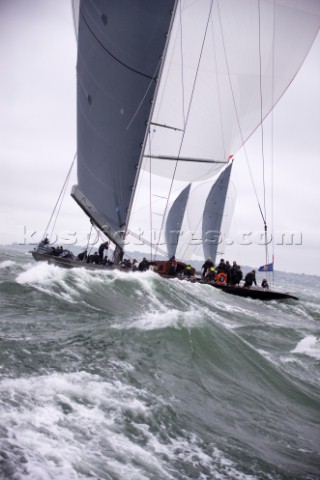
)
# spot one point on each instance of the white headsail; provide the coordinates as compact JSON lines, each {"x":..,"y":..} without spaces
{"x":228,"y":64}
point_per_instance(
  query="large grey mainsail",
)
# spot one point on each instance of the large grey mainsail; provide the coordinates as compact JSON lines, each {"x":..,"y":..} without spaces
{"x":120,"y":50}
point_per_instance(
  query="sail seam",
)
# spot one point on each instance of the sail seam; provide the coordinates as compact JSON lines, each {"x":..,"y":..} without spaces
{"x":113,"y":56}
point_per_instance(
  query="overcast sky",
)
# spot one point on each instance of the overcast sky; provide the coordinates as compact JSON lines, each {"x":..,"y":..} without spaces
{"x":38,"y":142}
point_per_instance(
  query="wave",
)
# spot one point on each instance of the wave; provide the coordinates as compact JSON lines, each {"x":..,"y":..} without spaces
{"x":79,"y":422}
{"x":142,"y":297}
{"x":145,"y":302}
{"x":163,"y":413}
{"x":135,"y":376}
{"x":309,"y":346}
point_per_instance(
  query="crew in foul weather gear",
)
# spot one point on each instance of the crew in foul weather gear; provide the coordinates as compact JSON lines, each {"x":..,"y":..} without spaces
{"x":250,"y":278}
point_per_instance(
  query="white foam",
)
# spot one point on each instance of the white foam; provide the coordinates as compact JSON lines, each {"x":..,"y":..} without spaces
{"x":309,"y":346}
{"x":58,"y":418}
{"x":73,"y":426}
{"x":49,"y":279}
{"x":167,"y":319}
{"x":7,"y":264}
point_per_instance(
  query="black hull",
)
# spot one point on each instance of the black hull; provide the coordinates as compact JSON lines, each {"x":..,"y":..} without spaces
{"x":72,"y":263}
{"x":158,"y":266}
{"x":256,"y":293}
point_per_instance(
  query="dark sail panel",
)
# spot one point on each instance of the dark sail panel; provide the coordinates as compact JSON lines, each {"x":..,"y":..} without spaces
{"x":120,"y":47}
{"x":174,"y":220}
{"x":213,"y":214}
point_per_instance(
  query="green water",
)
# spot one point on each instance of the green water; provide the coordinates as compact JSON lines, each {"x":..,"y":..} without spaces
{"x":130,"y":376}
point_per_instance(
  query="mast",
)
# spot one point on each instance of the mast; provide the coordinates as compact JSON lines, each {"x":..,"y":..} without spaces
{"x":151,"y":113}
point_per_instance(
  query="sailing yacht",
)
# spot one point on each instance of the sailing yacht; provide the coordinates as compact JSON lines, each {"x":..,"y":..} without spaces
{"x":167,"y":93}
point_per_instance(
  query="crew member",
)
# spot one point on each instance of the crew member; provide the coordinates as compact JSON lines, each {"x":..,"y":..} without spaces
{"x":104,"y":246}
{"x":82,"y":256}
{"x":211,"y":274}
{"x":207,"y":264}
{"x":236,"y":275}
{"x":172,"y":270}
{"x":143,"y":265}
{"x":188,"y":271}
{"x":250,"y":278}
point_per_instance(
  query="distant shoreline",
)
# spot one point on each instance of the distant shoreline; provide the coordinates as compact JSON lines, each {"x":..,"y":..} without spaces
{"x":139,"y":255}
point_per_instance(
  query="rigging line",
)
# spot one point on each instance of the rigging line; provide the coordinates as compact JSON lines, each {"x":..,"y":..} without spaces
{"x":159,"y":196}
{"x":261,"y":113}
{"x":218,"y":88}
{"x":166,"y":126}
{"x":272,"y":146}
{"x":195,"y":230}
{"x":188,"y":115}
{"x":157,"y":124}
{"x":182,"y":70}
{"x":174,"y":43}
{"x":198,"y":180}
{"x":89,"y":236}
{"x":58,"y":211}
{"x":262,"y":137}
{"x":114,"y":226}
{"x":150,"y":116}
{"x":61,"y":192}
{"x":220,"y":108}
{"x":110,"y":54}
{"x":75,"y":22}
{"x":186,"y":159}
{"x":97,"y":236}
{"x":141,"y":173}
{"x":236,"y":112}
{"x":144,"y":97}
{"x":145,"y":242}
{"x":149,"y":141}
{"x":150,"y":194}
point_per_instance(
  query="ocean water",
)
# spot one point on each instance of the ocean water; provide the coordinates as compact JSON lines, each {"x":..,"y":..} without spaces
{"x":131,"y":376}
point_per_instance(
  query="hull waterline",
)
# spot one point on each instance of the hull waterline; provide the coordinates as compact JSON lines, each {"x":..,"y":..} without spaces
{"x":255,"y":293}
{"x":161,"y":268}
